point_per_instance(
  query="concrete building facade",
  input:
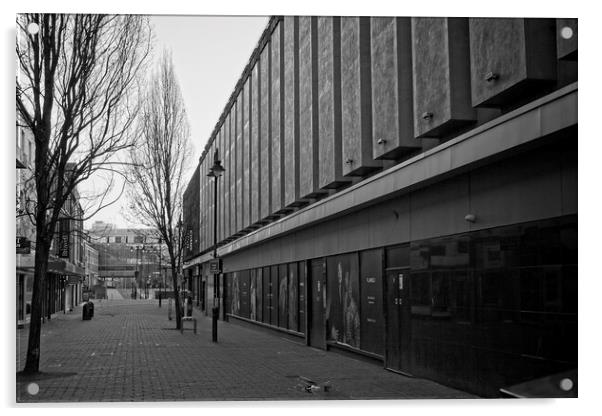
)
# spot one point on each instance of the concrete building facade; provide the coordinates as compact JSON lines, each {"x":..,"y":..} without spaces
{"x":404,"y":189}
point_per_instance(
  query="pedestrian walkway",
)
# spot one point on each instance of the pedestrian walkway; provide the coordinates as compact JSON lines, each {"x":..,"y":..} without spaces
{"x":130,"y":351}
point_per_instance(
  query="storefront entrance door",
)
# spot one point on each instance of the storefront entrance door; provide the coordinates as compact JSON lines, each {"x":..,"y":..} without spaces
{"x":397,"y":320}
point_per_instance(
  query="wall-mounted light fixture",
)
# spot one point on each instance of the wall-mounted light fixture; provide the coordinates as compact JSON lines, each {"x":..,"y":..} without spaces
{"x":470,"y":218}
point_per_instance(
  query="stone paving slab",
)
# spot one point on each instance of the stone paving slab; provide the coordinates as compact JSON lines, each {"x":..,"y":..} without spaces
{"x":130,"y":351}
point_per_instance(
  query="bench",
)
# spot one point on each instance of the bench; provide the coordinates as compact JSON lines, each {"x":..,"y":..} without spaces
{"x":188,"y":319}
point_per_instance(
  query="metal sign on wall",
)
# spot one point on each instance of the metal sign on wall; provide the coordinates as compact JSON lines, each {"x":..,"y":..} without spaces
{"x":63,"y":238}
{"x":215,"y":266}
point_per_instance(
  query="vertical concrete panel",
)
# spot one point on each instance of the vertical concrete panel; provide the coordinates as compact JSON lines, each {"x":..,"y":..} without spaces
{"x":203,"y":206}
{"x":509,"y":55}
{"x":221,"y":190}
{"x":291,"y":110}
{"x":207,"y":205}
{"x":441,"y":62}
{"x":308,"y":132}
{"x":277,"y":125}
{"x":211,"y":204}
{"x":246,"y":157}
{"x":226,"y":176}
{"x":392,"y":113}
{"x":356,"y":97}
{"x":255,"y":159}
{"x":232,"y":173}
{"x":264,"y":133}
{"x":239,"y":163}
{"x":329,"y":103}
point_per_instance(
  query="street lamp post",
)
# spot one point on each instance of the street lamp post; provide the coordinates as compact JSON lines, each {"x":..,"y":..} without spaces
{"x":215,"y":172}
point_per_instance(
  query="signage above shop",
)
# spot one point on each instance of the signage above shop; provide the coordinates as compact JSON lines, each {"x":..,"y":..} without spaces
{"x":63,"y":238}
{"x":23,"y":245}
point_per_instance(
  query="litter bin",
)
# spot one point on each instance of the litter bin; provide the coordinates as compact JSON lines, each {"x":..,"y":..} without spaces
{"x":86,"y":312}
{"x":91,"y":309}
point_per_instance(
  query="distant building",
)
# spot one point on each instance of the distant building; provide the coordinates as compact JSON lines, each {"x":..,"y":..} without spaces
{"x":91,"y":268}
{"x":130,"y":258}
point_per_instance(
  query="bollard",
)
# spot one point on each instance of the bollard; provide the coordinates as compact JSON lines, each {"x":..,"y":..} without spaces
{"x":159,"y":300}
{"x":214,"y":315}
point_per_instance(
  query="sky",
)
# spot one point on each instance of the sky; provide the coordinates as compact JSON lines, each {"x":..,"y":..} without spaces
{"x":209,"y":54}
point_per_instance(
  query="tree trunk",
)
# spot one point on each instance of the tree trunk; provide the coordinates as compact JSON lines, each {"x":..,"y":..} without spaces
{"x":32,"y":363}
{"x":174,"y":277}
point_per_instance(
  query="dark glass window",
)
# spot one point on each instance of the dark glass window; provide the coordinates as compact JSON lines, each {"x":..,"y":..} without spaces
{"x":440,"y":295}
{"x":420,"y":294}
{"x":398,"y":256}
{"x":420,"y":255}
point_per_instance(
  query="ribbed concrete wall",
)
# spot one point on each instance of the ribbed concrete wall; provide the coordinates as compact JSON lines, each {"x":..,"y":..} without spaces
{"x":327,"y":100}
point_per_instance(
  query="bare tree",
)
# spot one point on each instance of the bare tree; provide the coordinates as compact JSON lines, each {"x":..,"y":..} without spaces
{"x":159,"y":162}
{"x":76,"y":92}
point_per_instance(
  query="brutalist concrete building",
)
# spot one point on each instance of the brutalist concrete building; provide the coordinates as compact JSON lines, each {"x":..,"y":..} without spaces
{"x":404,"y":189}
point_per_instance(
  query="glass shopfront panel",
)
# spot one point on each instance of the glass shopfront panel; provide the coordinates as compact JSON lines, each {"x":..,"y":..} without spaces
{"x":495,"y":307}
{"x":274,"y":295}
{"x":283,"y":296}
{"x":253,"y":294}
{"x":267,"y":295}
{"x":244,"y":294}
{"x":260,"y":300}
{"x":233,"y":289}
{"x":293,"y":297}
{"x":302,"y":294}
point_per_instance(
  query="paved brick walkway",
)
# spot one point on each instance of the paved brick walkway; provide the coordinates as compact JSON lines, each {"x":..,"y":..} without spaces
{"x":130,"y":351}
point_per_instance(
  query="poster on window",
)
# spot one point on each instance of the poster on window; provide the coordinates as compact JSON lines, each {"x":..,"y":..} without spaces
{"x":253,"y":295}
{"x":282,"y":296}
{"x":342,"y":310}
{"x":243,"y":278}
{"x":259,"y":276}
{"x":235,"y":305}
{"x":293,"y":306}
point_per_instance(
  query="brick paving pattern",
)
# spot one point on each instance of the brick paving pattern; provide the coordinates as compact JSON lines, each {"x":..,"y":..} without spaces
{"x":130,"y":351}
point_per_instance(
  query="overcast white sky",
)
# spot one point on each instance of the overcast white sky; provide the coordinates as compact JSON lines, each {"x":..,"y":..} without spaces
{"x":209,"y":55}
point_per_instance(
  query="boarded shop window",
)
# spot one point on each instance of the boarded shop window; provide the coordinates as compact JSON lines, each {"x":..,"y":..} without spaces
{"x":253,"y":295}
{"x":243,"y":277}
{"x":343,"y":300}
{"x":267,"y":295}
{"x":260,"y":300}
{"x":282,"y":296}
{"x":293,"y":293}
{"x":234,"y":290}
